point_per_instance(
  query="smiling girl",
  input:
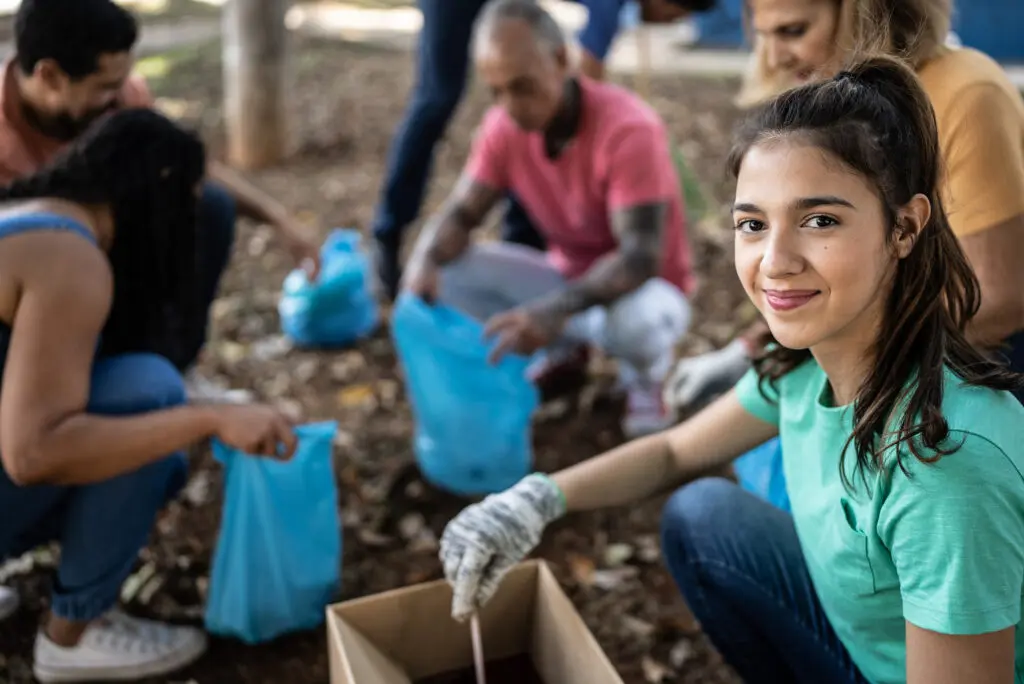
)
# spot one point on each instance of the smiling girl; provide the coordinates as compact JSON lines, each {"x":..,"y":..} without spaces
{"x":903,"y":559}
{"x":980,"y":117}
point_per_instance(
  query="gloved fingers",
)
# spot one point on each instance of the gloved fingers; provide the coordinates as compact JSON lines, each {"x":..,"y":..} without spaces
{"x":451,"y":553}
{"x":682,"y":387}
{"x":466,"y":586}
{"x":493,"y":576}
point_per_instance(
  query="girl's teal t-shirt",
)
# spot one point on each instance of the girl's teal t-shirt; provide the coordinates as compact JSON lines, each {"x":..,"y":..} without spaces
{"x":942,"y":548}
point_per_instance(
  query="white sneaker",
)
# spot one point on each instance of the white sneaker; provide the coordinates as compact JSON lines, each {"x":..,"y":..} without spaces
{"x":8,"y":602}
{"x":203,"y":390}
{"x":119,"y":647}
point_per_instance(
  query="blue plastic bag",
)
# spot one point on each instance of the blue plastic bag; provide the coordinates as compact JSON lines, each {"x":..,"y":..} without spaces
{"x":473,"y":419}
{"x":277,"y":564}
{"x":759,"y":471}
{"x":339,"y":308}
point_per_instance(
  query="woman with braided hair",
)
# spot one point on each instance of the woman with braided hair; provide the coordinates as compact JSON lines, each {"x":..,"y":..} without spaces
{"x":91,"y":445}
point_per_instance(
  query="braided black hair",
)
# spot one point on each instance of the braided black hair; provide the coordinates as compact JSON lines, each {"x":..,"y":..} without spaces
{"x":147,"y":170}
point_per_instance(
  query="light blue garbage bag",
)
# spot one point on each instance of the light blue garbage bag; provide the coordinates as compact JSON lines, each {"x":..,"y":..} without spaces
{"x":339,"y":308}
{"x":278,"y":559}
{"x":473,"y":419}
{"x":759,"y":471}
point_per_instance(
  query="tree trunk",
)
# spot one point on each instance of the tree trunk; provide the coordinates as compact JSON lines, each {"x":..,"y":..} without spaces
{"x":255,"y":82}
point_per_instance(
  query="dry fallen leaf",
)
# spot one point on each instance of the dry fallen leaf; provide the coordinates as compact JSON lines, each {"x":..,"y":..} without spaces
{"x":654,"y":672}
{"x":374,"y":539}
{"x":582,"y":568}
{"x":613,"y":579}
{"x":617,"y":554}
{"x":681,"y":653}
{"x":356,"y":395}
{"x":641,"y":628}
{"x":411,"y":525}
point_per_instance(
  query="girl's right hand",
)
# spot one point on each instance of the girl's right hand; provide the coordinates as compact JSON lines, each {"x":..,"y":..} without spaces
{"x":256,"y":429}
{"x":486,"y":540}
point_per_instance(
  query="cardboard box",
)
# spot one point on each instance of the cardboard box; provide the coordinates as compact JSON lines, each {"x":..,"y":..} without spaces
{"x":403,"y":635}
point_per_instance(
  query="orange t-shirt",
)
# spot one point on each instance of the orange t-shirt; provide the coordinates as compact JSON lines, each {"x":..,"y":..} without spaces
{"x":23,"y":149}
{"x":980,"y":117}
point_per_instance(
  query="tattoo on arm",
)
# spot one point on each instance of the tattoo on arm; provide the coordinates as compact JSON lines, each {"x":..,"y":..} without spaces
{"x":639,"y":230}
{"x":446,"y":235}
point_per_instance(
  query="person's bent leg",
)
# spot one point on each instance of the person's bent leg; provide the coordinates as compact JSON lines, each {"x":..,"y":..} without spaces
{"x":490,"y":278}
{"x":738,"y":563}
{"x":102,"y":528}
{"x":442,"y":67}
{"x":216,"y":237}
{"x":641,"y":331}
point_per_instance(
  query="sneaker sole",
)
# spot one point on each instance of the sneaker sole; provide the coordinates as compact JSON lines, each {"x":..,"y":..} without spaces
{"x":176,"y":661}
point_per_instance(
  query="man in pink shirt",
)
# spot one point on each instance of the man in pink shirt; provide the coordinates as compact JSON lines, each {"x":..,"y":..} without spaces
{"x":590,"y":163}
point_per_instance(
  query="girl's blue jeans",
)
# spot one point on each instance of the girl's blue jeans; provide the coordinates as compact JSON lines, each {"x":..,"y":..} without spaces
{"x":738,"y":562}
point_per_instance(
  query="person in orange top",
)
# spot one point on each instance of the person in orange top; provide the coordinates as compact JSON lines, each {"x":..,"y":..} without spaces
{"x":73,"y":64}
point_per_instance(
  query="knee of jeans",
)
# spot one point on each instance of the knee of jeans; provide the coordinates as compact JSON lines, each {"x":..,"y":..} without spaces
{"x":217,"y":214}
{"x":693,"y":510}
{"x":135,"y":383}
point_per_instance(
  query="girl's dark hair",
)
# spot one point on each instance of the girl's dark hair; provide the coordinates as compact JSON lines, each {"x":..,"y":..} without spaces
{"x":147,"y":170}
{"x":876,"y":119}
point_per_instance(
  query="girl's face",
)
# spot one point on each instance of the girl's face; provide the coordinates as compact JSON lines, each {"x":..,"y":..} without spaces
{"x":799,"y":36}
{"x":812,"y":246}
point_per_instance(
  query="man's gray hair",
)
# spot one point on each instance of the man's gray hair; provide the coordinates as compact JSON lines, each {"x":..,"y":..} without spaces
{"x":543,"y":26}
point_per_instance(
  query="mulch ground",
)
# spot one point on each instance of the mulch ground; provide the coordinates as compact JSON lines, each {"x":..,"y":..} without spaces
{"x":348,"y":100}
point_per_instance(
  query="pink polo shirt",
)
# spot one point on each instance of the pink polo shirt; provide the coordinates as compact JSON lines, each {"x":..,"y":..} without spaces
{"x":619,"y":158}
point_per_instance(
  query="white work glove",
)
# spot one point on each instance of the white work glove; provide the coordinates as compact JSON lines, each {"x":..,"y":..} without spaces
{"x":486,"y":540}
{"x":698,"y":379}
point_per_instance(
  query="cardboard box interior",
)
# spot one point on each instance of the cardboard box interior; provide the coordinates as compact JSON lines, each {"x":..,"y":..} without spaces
{"x":403,"y":635}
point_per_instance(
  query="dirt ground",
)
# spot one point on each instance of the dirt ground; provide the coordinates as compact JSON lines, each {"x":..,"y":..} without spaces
{"x":348,"y":100}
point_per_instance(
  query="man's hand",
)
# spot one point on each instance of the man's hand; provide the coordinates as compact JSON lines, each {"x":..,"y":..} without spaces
{"x":303,"y":250}
{"x":523,"y":330}
{"x":421,"y":278}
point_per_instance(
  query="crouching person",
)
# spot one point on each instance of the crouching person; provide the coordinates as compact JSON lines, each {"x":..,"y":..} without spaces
{"x":91,"y":449}
{"x":591,"y":164}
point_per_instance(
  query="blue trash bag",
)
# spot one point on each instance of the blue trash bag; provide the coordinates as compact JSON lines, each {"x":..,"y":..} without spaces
{"x":339,"y":308}
{"x":277,"y":564}
{"x":473,"y":419}
{"x":759,"y":471}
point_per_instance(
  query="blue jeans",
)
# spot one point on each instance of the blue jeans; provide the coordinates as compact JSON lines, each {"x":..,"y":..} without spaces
{"x":215,"y":238}
{"x":442,"y":71}
{"x":738,"y":562}
{"x":101,"y":527}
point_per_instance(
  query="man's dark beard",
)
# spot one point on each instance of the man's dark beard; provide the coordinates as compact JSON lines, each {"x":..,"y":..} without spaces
{"x":62,"y":126}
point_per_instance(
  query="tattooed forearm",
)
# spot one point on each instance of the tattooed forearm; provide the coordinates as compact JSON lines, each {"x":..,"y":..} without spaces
{"x":446,"y":235}
{"x":639,"y":230}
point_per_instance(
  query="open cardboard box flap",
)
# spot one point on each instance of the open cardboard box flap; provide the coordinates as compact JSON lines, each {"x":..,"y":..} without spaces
{"x":406,"y":634}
